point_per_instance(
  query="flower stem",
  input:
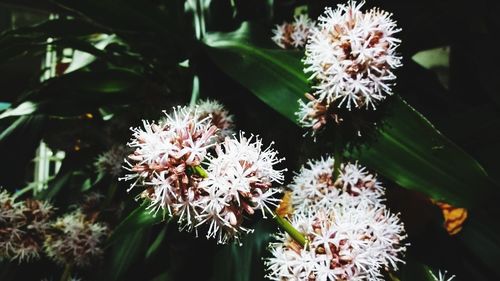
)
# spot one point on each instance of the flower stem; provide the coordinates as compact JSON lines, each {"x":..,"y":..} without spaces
{"x":292,"y":231}
{"x":337,"y":154}
{"x":66,"y":276}
{"x":282,"y":222}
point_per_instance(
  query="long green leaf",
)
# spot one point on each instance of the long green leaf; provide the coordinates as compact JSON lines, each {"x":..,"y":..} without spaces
{"x":274,"y":76}
{"x":409,"y":149}
{"x":137,"y":219}
{"x":414,"y":154}
{"x":129,"y":248}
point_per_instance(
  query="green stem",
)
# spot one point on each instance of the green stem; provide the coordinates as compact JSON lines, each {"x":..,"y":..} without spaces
{"x":195,"y":94}
{"x":292,"y":231}
{"x":337,"y":155}
{"x":282,"y":222}
{"x":200,"y":171}
{"x":66,"y":276}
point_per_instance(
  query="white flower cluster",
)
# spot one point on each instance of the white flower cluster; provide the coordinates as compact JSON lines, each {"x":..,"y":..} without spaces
{"x":75,"y":240}
{"x":350,"y":56}
{"x":23,"y":225}
{"x":168,"y":162}
{"x":295,"y":34}
{"x":345,"y":242}
{"x":351,"y":234}
{"x":240,"y":178}
{"x":219,"y":117}
{"x":110,"y":162}
{"x":314,"y":185}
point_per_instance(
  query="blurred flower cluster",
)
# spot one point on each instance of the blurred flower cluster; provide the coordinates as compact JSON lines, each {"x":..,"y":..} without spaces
{"x":28,"y":231}
{"x":293,"y":35}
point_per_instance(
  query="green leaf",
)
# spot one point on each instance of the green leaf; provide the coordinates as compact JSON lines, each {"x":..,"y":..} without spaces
{"x":480,"y":236}
{"x":127,"y":249}
{"x":414,"y":154}
{"x":24,"y":108}
{"x":82,"y":59}
{"x":274,"y":76}
{"x":55,"y":186}
{"x":60,"y":27}
{"x":128,"y":15}
{"x":59,"y":96}
{"x":244,"y":263}
{"x":414,"y":271}
{"x":32,"y":40}
{"x":165,"y":276}
{"x":153,"y":249}
{"x":18,"y":142}
{"x":437,"y":60}
{"x":409,"y":149}
{"x":4,"y":105}
{"x":137,"y":219}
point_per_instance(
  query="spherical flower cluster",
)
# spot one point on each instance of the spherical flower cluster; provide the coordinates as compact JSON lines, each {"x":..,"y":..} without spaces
{"x":345,"y":242}
{"x":219,"y":117}
{"x":74,"y":239}
{"x":315,"y":184}
{"x":23,"y":225}
{"x":351,"y":54}
{"x":110,"y":162}
{"x":239,"y":182}
{"x":164,"y":157}
{"x":168,"y":162}
{"x":295,"y":34}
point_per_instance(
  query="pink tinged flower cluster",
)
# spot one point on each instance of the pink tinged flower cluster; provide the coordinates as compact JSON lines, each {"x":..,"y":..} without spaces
{"x":219,"y":117}
{"x":75,"y":239}
{"x":23,"y":225}
{"x":346,"y":242}
{"x":293,"y":35}
{"x":315,"y":185}
{"x":110,"y":162}
{"x":164,"y":156}
{"x":240,"y":181}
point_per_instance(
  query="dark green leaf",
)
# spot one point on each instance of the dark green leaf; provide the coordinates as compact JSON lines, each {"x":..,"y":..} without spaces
{"x":244,"y":263}
{"x":137,"y":219}
{"x":274,"y":76}
{"x":408,"y":150}
{"x":153,"y":248}
{"x":414,"y":154}
{"x":414,"y":271}
{"x":55,"y":186}
{"x":127,"y":249}
{"x":165,"y":276}
{"x":18,"y":142}
{"x":24,"y":108}
{"x":54,"y":28}
{"x":60,"y":97}
{"x":480,"y":237}
{"x":4,"y":105}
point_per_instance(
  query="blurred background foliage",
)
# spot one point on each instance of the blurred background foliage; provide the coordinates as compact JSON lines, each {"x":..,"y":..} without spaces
{"x":118,"y":62}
